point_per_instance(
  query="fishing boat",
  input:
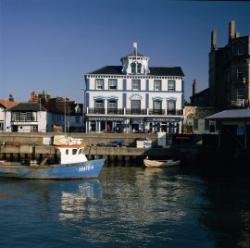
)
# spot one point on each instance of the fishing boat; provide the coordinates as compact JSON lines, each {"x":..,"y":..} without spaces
{"x":72,"y":164}
{"x":160,"y":163}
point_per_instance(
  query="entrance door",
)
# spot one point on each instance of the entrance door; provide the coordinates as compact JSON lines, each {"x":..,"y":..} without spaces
{"x":109,"y":126}
{"x":14,"y":128}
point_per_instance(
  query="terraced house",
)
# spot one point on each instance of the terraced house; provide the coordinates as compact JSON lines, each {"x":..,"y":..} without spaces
{"x":134,"y":97}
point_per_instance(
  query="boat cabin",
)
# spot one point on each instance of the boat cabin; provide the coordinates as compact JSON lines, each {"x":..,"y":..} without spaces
{"x":70,"y":154}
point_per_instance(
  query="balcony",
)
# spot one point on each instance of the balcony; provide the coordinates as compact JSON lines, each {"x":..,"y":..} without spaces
{"x":115,"y":111}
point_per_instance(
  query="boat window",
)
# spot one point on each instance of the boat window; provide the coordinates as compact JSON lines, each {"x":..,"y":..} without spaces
{"x":74,"y":151}
{"x":67,"y":151}
{"x":81,"y":151}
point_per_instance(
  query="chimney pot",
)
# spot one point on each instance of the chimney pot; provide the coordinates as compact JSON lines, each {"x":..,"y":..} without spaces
{"x":213,"y":40}
{"x":194,"y":87}
{"x":232,"y":34}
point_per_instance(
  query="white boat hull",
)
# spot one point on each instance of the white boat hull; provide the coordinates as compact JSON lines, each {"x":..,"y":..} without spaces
{"x":160,"y":163}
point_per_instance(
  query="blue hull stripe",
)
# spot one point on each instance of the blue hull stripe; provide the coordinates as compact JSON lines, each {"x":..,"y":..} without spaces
{"x":89,"y":169}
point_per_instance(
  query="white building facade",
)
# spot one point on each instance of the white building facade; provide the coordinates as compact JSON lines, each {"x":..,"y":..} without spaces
{"x":134,"y":97}
{"x":26,"y":118}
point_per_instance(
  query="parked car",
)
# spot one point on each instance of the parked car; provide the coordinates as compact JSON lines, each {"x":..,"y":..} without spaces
{"x":117,"y":143}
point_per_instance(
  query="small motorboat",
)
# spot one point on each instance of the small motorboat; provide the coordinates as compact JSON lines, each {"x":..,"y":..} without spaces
{"x":160,"y":163}
{"x":73,"y":164}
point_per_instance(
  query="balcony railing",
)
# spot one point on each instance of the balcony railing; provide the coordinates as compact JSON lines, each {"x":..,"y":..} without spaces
{"x":136,"y":111}
{"x":125,"y":111}
{"x":175,"y":112}
{"x":115,"y":111}
{"x":157,"y":112}
{"x":96,"y":110}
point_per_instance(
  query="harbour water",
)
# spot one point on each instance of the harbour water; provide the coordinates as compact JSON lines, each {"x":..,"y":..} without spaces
{"x":128,"y":206}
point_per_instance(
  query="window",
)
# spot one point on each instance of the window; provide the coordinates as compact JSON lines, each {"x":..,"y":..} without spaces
{"x":157,"y":107}
{"x":112,"y":84}
{"x":157,"y":85}
{"x":99,"y":103}
{"x":99,"y":106}
{"x":157,"y":104}
{"x":241,"y":92}
{"x":67,"y":151}
{"x":136,"y":84}
{"x":171,"y":105}
{"x":112,"y":104}
{"x":133,"y":68}
{"x":139,"y":66}
{"x":99,"y":84}
{"x":171,"y":85}
{"x":240,"y":75}
{"x":135,"y":106}
{"x":29,"y":116}
{"x":74,"y":151}
{"x":23,"y":116}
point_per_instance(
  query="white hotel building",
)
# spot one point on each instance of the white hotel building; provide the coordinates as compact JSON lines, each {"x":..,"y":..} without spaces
{"x":134,"y":97}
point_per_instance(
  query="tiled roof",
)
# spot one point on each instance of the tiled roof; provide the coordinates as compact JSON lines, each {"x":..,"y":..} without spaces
{"x":7,"y":104}
{"x":27,"y":106}
{"x":231,"y":114}
{"x":155,"y":71}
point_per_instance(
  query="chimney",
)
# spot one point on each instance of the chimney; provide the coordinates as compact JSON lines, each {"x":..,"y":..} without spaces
{"x":11,"y":98}
{"x":213,"y":40}
{"x":237,"y":35}
{"x":194,"y":87}
{"x":232,"y":30}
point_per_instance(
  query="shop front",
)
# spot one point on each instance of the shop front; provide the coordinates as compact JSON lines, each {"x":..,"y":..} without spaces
{"x":105,"y":124}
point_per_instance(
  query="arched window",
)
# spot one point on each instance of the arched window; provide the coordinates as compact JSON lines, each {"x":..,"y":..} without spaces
{"x":157,"y":107}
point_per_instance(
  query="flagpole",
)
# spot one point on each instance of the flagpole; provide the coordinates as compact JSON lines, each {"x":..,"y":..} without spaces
{"x":136,"y":59}
{"x":135,"y":46}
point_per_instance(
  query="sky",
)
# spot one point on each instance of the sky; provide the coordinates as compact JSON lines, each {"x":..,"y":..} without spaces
{"x":47,"y":45}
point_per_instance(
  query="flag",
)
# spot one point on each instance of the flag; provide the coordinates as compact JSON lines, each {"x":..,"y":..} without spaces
{"x":135,"y":45}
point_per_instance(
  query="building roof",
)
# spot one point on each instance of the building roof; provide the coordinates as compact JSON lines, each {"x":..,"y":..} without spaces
{"x":155,"y":71}
{"x":27,"y":106}
{"x":231,"y":114}
{"x":201,"y":93}
{"x":7,"y":104}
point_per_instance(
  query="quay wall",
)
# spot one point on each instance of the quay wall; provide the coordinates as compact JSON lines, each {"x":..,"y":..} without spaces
{"x":88,"y":139}
{"x":121,"y":154}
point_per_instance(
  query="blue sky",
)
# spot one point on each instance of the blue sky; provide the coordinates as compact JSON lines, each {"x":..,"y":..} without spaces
{"x":48,"y":44}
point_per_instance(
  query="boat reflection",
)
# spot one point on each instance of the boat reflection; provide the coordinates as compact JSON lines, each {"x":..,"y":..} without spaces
{"x":144,"y":196}
{"x":79,"y":201}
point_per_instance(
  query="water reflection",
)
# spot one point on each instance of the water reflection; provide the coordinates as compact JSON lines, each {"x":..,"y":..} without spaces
{"x":78,"y":202}
{"x":127,"y":207}
{"x":139,"y":205}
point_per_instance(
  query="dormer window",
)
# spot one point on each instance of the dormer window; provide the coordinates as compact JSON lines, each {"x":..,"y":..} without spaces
{"x":139,"y":67}
{"x":133,"y":68}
